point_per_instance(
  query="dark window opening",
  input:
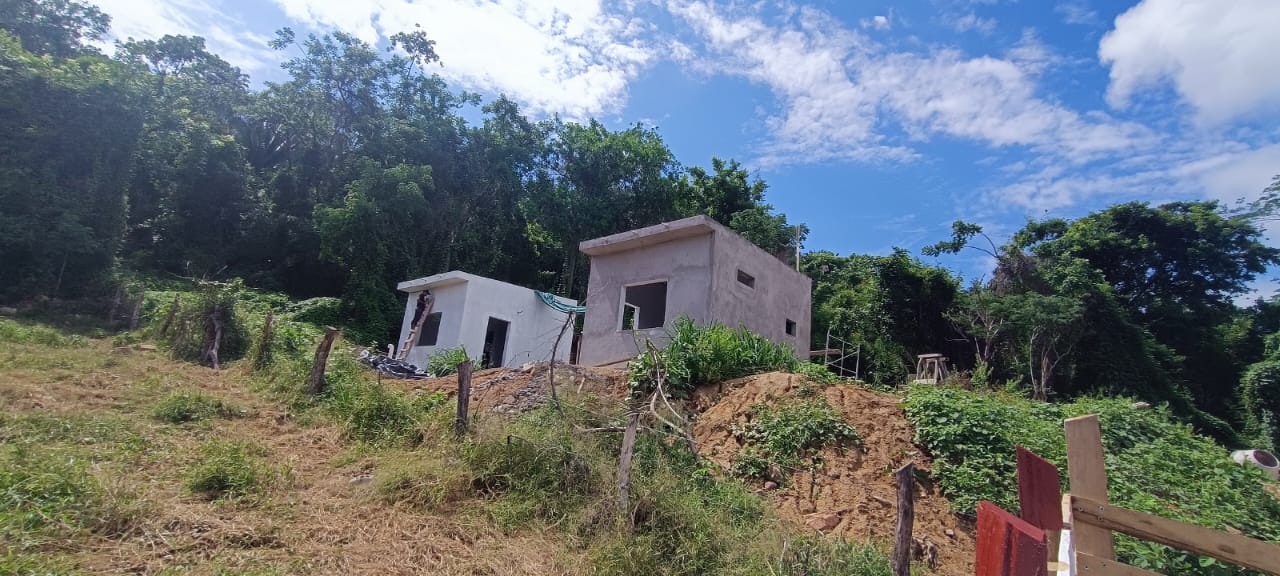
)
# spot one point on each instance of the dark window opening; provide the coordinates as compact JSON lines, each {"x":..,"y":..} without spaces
{"x":644,"y":306}
{"x":791,"y":328}
{"x":495,"y":343}
{"x":746,"y":279}
{"x":430,"y":330}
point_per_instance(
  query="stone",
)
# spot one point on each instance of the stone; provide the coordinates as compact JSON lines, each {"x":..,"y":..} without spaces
{"x":834,"y":475}
{"x":950,"y":533}
{"x":147,"y":347}
{"x":806,"y":507}
{"x":361,"y":479}
{"x":770,"y":485}
{"x":822,"y":521}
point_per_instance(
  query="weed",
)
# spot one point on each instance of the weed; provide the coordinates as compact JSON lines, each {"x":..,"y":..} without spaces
{"x":445,"y":362}
{"x":698,"y":355}
{"x":17,"y":333}
{"x":782,"y":438}
{"x":230,"y":470}
{"x":815,"y":372}
{"x":426,"y":481}
{"x":192,"y":406}
{"x":832,"y":557}
{"x":374,"y":413}
{"x":1154,"y":464}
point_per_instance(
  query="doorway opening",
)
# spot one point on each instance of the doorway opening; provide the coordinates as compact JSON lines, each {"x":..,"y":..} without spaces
{"x":495,"y":343}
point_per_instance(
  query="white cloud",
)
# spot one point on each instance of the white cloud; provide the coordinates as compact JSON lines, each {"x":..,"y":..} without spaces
{"x":841,"y":93}
{"x":1219,"y":56}
{"x":570,"y":57}
{"x":224,"y":35}
{"x":972,"y":22}
{"x":877,"y":22}
{"x":1076,"y":12}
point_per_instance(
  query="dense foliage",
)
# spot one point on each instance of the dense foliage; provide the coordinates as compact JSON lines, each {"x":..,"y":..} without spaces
{"x":1154,"y":464}
{"x":780,"y":439}
{"x":356,"y":171}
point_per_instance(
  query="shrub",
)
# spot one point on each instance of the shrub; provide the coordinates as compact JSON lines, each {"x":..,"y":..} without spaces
{"x":815,"y":372}
{"x":230,"y":470}
{"x":16,"y":333}
{"x":1260,"y":397}
{"x":377,"y":414}
{"x":445,"y":362}
{"x":699,"y":355}
{"x":788,"y":436}
{"x":191,"y":406}
{"x":323,"y":311}
{"x":1154,"y":464}
{"x":193,"y":323}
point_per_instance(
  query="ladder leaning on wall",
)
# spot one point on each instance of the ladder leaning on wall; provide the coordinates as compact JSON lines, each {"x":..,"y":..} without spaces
{"x":425,"y":302}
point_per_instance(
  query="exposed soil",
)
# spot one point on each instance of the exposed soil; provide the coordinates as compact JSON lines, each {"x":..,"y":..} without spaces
{"x":519,"y":390}
{"x":856,"y":487}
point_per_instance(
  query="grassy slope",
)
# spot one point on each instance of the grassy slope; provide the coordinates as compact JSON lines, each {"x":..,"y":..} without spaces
{"x":122,"y":460}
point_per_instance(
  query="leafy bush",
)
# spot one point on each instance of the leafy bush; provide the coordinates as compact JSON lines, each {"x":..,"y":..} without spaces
{"x":17,"y":333}
{"x":230,"y":470}
{"x":188,"y":328}
{"x":815,"y":372}
{"x":445,"y":362}
{"x":375,"y":413}
{"x":884,"y":363}
{"x":699,"y":355}
{"x":1154,"y":464}
{"x":780,"y":439}
{"x":191,"y":406}
{"x":1260,"y":397}
{"x":323,"y":311}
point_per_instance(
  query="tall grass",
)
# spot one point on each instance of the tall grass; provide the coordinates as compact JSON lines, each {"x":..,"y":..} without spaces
{"x":14,"y":332}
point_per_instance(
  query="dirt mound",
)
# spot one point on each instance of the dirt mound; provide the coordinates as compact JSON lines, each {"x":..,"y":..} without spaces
{"x":519,"y":390}
{"x":853,"y":493}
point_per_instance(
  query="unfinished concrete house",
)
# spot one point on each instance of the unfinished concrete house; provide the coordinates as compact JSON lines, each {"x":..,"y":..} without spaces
{"x":499,"y":324}
{"x":642,"y":280}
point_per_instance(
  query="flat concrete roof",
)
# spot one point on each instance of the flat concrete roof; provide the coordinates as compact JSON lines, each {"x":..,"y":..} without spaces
{"x":459,"y":277}
{"x":657,"y":234}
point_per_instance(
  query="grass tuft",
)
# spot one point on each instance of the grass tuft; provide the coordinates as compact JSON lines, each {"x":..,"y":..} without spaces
{"x":193,"y":406}
{"x":231,"y":470}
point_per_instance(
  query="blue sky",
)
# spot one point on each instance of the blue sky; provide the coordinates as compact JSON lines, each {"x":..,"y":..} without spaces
{"x":877,"y":123}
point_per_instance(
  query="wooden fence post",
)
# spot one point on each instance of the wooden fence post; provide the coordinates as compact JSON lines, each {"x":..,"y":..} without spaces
{"x":1087,"y":471}
{"x":1040,"y":497}
{"x":464,"y":398}
{"x":262,"y":356}
{"x":315,"y":382}
{"x":906,"y":518}
{"x":1007,"y":545}
{"x":624,"y":464}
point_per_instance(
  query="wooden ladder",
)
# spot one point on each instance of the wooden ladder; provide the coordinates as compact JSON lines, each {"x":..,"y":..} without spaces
{"x":402,"y":353}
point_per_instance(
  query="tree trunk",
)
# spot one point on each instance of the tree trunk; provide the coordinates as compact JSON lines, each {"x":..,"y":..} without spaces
{"x":215,"y":338}
{"x":263,"y":356}
{"x":315,"y":382}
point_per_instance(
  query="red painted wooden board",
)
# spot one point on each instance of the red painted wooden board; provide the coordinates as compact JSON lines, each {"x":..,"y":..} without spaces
{"x":1039,"y":491}
{"x":1008,"y":545}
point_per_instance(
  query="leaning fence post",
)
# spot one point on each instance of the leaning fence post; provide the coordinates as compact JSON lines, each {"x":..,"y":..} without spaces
{"x":315,"y":382}
{"x":624,"y":464}
{"x":906,"y":518}
{"x":464,"y":398}
{"x":1086,"y":468}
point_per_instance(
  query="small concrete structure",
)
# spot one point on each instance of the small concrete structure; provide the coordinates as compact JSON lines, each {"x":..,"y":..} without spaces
{"x":642,"y":280}
{"x":499,"y":324}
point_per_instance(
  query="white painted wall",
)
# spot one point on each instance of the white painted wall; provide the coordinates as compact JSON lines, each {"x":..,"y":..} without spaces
{"x":468,"y":301}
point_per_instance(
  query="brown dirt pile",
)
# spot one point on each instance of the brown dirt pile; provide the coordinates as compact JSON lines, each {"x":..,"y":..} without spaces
{"x":854,"y":491}
{"x":519,"y":390}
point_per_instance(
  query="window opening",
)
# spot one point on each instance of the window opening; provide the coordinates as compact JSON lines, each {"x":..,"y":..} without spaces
{"x":746,"y":279}
{"x":644,"y":306}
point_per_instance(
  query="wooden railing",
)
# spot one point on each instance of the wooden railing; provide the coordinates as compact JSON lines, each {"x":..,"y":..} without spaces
{"x":1028,"y":546}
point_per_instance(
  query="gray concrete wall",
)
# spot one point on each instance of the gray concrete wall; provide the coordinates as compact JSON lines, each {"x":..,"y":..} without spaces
{"x":685,"y":263}
{"x":780,"y":293}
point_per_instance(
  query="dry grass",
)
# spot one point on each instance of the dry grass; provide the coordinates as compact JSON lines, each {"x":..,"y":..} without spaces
{"x":96,"y":401}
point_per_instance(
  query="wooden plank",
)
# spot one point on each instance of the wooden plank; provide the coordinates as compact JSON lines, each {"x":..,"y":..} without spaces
{"x":1087,"y":471}
{"x":1040,"y":497}
{"x":464,"y":398}
{"x":1239,"y":550}
{"x":1007,"y":545}
{"x":906,"y":518}
{"x":1094,"y":566}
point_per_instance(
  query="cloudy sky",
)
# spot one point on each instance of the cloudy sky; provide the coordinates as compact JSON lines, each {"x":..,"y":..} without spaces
{"x":875,"y":122}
